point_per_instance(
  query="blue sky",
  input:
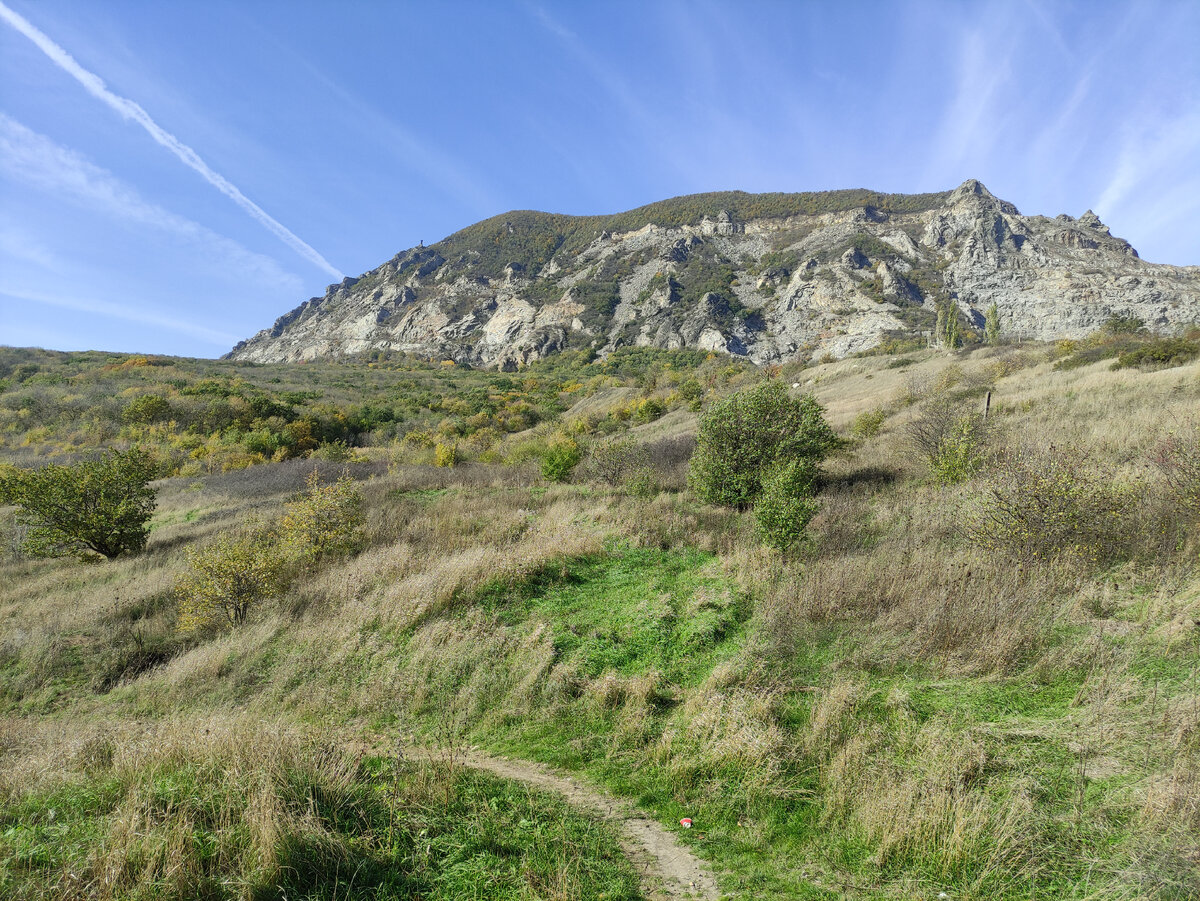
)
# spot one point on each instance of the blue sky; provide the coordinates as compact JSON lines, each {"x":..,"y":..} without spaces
{"x":173,"y":176}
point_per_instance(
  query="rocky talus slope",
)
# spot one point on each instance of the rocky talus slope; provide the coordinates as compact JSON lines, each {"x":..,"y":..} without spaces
{"x":768,"y":276}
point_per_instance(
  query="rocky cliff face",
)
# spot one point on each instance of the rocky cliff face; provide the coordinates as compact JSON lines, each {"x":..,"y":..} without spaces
{"x":767,"y":276}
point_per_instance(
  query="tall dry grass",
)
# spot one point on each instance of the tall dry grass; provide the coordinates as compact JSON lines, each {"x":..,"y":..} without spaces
{"x":205,"y":807}
{"x":393,"y":633}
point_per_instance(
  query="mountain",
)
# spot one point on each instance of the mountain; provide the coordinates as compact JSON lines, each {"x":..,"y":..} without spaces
{"x":769,"y":276}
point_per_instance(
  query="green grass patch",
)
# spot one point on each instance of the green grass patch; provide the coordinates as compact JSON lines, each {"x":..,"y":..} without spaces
{"x":190,"y":828}
{"x":631,"y":611}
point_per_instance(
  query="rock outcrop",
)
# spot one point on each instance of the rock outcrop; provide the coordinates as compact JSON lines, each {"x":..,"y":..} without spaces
{"x":770,"y":277}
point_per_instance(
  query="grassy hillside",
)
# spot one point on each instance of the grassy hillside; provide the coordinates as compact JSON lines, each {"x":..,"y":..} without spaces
{"x":532,"y":238}
{"x":205,"y":416}
{"x":906,"y":705}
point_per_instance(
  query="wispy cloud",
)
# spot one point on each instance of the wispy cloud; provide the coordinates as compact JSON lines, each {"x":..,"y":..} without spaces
{"x":638,"y":116}
{"x":440,"y":167}
{"x":969,"y":124}
{"x":130,"y":110}
{"x":17,"y":244}
{"x":35,"y":160}
{"x":123,"y":312}
{"x":1147,"y":152}
{"x":1154,"y":187}
{"x":604,"y":75}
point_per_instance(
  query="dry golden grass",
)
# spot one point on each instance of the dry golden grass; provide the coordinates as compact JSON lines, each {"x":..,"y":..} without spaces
{"x":395,"y":632}
{"x":242,"y":769}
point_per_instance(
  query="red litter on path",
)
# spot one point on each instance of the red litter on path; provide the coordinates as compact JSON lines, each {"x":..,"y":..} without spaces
{"x":686,"y":823}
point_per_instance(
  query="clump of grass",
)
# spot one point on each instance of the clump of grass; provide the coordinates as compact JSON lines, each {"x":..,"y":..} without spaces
{"x":224,"y":808}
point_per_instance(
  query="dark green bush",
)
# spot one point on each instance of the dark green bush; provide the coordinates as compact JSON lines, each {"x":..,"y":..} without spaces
{"x":744,"y":436}
{"x":147,"y":409}
{"x":786,"y":505}
{"x":99,"y":506}
{"x":1160,"y":352}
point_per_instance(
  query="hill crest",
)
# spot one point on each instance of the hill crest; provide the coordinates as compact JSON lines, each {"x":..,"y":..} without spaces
{"x":772,"y":277}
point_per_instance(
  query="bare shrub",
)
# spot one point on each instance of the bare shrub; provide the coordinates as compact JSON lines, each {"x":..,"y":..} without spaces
{"x":624,"y":462}
{"x":1044,"y":503}
{"x":914,"y":389}
{"x":671,"y":453}
{"x":1177,"y":459}
{"x":610,"y":462}
{"x":951,"y":436}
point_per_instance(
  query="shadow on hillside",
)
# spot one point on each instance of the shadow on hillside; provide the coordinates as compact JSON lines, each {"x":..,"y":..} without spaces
{"x":866,"y":478}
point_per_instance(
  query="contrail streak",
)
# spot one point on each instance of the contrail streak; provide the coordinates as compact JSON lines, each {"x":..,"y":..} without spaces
{"x":95,"y":86}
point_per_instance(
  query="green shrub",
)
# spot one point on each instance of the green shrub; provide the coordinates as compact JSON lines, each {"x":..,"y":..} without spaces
{"x":1124,"y":324}
{"x":647,"y":410}
{"x":643,"y":483}
{"x":146,"y":409}
{"x":334,"y":452}
{"x":693,"y":392}
{"x":868,"y":423}
{"x":744,"y":436}
{"x":951,"y":436}
{"x":226,"y":580}
{"x":1160,"y":352}
{"x":99,"y":506}
{"x":560,"y":460}
{"x":325,"y":520}
{"x":786,"y":504}
{"x":961,"y":454}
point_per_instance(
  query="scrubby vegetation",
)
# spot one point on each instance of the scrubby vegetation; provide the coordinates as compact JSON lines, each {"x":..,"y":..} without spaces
{"x":978,"y":676}
{"x":531,"y":238}
{"x":202,"y":417}
{"x":97,"y":506}
{"x":1126,"y":339}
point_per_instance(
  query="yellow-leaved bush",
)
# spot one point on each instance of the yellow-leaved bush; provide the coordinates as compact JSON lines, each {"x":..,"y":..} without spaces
{"x":228,"y":578}
{"x":325,"y":520}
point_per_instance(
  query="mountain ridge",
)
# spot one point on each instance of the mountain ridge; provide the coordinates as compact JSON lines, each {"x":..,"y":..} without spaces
{"x":771,"y":277}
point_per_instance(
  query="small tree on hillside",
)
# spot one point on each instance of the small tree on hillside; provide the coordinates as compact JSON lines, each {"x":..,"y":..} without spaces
{"x":991,"y":325}
{"x":560,"y":459}
{"x":325,"y":520}
{"x":98,"y":506}
{"x":744,"y":436}
{"x":951,"y":436}
{"x":228,"y":579}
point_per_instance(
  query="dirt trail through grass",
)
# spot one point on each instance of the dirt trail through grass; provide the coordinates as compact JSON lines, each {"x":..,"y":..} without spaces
{"x":667,"y":869}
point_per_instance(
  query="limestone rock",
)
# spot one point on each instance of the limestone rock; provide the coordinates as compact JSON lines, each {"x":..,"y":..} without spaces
{"x":770,"y":288}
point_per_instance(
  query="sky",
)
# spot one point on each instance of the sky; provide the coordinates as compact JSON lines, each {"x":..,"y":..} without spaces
{"x":174,"y":176}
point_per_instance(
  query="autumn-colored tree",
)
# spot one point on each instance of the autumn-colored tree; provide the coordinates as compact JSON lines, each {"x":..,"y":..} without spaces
{"x":227,"y":579}
{"x":326,"y":519}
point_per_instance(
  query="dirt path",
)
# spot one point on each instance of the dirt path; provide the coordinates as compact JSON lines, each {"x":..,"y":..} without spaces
{"x":667,"y":869}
